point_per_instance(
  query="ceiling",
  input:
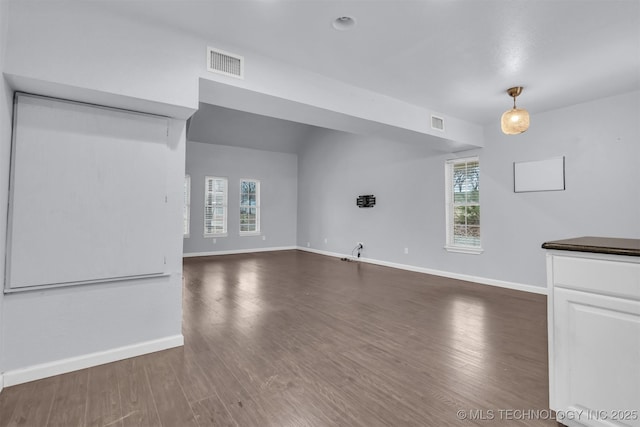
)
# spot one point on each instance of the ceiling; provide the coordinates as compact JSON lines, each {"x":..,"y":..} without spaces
{"x":457,"y":57}
{"x":213,"y":124}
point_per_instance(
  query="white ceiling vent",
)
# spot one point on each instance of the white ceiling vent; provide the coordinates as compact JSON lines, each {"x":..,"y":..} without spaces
{"x":221,"y":62}
{"x":437,"y":123}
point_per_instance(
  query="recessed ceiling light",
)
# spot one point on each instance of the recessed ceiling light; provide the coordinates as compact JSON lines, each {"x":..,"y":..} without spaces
{"x":343,"y":23}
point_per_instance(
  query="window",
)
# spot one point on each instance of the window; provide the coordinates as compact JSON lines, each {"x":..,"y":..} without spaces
{"x":186,"y":210}
{"x":463,"y":205}
{"x":249,"y":206}
{"x":215,"y":206}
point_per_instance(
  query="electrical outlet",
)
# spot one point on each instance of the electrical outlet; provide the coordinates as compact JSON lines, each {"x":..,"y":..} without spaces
{"x":326,"y":240}
{"x":308,"y":244}
{"x":406,"y":251}
{"x":264,"y":237}
{"x":214,"y":241}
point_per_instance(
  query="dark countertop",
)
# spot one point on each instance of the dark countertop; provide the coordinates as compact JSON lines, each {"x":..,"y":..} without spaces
{"x":598,"y":245}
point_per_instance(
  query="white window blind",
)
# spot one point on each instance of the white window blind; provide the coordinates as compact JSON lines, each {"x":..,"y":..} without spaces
{"x":215,"y":206}
{"x":249,"y":206}
{"x":186,"y":212}
{"x":88,"y":196}
{"x":463,"y":204}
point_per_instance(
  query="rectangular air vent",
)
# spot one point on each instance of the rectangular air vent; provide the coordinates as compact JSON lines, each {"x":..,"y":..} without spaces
{"x":437,"y":123}
{"x":228,"y":64}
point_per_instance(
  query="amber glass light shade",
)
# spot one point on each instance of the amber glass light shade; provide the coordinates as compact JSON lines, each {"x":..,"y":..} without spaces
{"x":515,"y":121}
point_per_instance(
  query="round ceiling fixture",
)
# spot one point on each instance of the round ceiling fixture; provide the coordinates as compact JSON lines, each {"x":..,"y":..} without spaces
{"x":516,"y":120}
{"x":344,"y":23}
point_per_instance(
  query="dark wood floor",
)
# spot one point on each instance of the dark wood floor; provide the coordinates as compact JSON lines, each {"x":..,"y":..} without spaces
{"x":297,"y":339}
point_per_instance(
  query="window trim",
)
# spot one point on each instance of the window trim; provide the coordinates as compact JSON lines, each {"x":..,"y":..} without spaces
{"x":258,"y":230}
{"x":225,"y":207}
{"x":449,"y":209}
{"x":187,"y":206}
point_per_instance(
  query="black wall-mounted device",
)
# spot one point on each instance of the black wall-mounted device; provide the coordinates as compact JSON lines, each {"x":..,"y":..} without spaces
{"x":366,"y":201}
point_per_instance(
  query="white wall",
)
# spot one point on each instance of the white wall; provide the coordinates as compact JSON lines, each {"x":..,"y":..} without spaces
{"x":5,"y":150}
{"x":278,"y":175}
{"x":599,"y":140}
{"x":126,"y":61}
{"x":55,"y":324}
{"x":81,"y":56}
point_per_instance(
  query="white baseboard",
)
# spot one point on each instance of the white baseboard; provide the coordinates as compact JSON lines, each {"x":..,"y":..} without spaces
{"x":327,"y":253}
{"x":468,"y":278}
{"x":44,"y":370}
{"x":239,"y":251}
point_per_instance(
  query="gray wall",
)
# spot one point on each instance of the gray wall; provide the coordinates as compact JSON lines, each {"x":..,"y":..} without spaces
{"x":599,"y":140}
{"x":56,"y":324}
{"x":277,"y":173}
{"x":65,"y":325}
{"x":5,"y":149}
{"x":218,"y":125}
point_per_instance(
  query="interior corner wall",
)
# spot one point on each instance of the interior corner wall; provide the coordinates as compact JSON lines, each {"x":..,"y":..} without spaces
{"x":599,"y":140}
{"x":277,"y":173}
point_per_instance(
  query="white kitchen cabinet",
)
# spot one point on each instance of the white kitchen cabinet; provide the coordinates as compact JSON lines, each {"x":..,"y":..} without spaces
{"x":594,"y":338}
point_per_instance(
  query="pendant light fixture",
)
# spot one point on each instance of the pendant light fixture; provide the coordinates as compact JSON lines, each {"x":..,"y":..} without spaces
{"x":516,"y":120}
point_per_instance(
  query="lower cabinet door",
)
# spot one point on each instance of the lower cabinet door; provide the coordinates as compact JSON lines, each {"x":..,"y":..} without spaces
{"x":597,"y":359}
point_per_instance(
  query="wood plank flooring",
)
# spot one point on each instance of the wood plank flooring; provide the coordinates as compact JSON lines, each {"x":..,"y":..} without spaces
{"x":297,"y":339}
